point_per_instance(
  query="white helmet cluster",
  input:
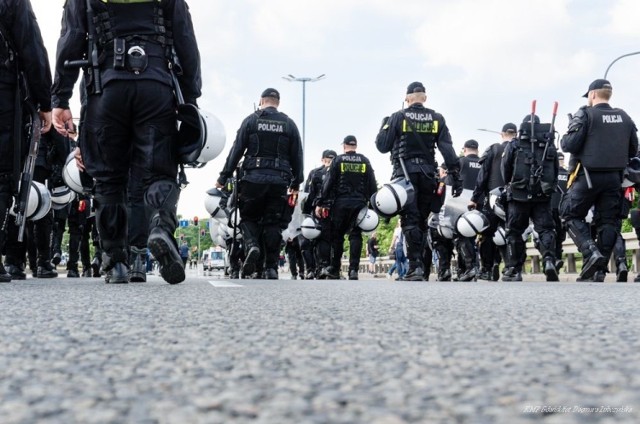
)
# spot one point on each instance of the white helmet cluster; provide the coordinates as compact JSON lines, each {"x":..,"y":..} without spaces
{"x":446,"y":231}
{"x":310,"y":227}
{"x":392,"y":197}
{"x":212,"y":203}
{"x":472,"y":223}
{"x":61,"y":196}
{"x":201,"y":134}
{"x":367,"y":220}
{"x":499,"y":237}
{"x":497,"y":207}
{"x":72,"y":177}
{"x":38,"y":203}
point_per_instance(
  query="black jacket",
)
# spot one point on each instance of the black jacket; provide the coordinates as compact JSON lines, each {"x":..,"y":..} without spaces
{"x":72,"y":45}
{"x":19,"y":21}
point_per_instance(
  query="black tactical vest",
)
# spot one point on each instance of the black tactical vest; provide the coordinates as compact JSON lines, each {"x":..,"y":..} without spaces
{"x":495,"y":173}
{"x":606,"y":147}
{"x":354,"y":171}
{"x":469,"y":170}
{"x":563,"y":178}
{"x":268,"y":142}
{"x":419,"y":128}
{"x":534,"y":176}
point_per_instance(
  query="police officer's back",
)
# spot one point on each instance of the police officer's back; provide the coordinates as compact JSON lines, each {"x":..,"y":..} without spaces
{"x":130,"y":115}
{"x":348,"y":185}
{"x":22,"y":52}
{"x":270,"y":143}
{"x":413,"y":134}
{"x":601,"y":140}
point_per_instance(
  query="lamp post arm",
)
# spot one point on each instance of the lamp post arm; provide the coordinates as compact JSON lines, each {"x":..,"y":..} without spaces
{"x":617,"y":59}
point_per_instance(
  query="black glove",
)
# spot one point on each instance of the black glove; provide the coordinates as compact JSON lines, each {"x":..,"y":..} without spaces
{"x":456,"y":184}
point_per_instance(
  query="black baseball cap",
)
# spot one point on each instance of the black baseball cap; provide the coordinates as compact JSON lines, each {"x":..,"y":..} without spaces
{"x":509,"y":127}
{"x":597,"y":85}
{"x":350,"y":140}
{"x":471,"y":144}
{"x":271,"y":92}
{"x":329,"y":154}
{"x":416,"y":87}
{"x":560,"y":155}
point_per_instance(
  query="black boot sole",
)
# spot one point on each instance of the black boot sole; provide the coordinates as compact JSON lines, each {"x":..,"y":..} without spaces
{"x":552,"y":274}
{"x":171,"y":270}
{"x":622,"y":276}
{"x":249,"y":265}
{"x":593,"y":264}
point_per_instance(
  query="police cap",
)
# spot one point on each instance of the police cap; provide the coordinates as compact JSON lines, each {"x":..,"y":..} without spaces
{"x":597,"y":85}
{"x":415,"y":87}
{"x":350,"y":140}
{"x":271,"y":92}
{"x":509,"y":127}
{"x":329,"y":154}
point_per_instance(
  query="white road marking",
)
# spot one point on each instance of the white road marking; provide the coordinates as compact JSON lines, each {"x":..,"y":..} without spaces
{"x":224,"y":284}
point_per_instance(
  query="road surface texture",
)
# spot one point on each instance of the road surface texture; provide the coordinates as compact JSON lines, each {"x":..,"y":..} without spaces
{"x":212,"y":350}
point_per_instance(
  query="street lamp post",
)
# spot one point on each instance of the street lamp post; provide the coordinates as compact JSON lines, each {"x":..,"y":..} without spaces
{"x":617,"y":59}
{"x":304,"y":81}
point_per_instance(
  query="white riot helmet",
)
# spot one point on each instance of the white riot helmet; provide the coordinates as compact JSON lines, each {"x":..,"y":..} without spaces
{"x":310,"y":228}
{"x":497,"y":207}
{"x":472,"y":223}
{"x":391,"y":198}
{"x":201,"y":134}
{"x":79,"y":182}
{"x":234,"y":218}
{"x":446,"y":232}
{"x":212,"y":203}
{"x":367,"y":219}
{"x":499,"y":237}
{"x":61,"y":196}
{"x":214,"y":228}
{"x":38,"y":203}
{"x":220,"y":241}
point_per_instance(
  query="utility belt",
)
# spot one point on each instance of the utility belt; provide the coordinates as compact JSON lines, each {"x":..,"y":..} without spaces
{"x":255,"y":162}
{"x":134,"y":55}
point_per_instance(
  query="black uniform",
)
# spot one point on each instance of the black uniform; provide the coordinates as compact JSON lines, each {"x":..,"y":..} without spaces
{"x":270,"y":143}
{"x":311,"y":248}
{"x":601,"y":139}
{"x":489,"y":178}
{"x":556,"y":197}
{"x":531,"y":172}
{"x":131,"y":124}
{"x":21,"y":49}
{"x":348,"y":185}
{"x":413,"y":134}
{"x":466,"y":246}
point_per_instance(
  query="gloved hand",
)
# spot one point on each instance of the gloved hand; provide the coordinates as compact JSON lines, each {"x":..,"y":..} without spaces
{"x":471,"y":205}
{"x":456,"y":184}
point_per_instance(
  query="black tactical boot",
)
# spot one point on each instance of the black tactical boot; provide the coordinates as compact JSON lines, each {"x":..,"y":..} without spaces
{"x":495,"y":272}
{"x":95,"y":267}
{"x":353,"y":274}
{"x":5,"y":277}
{"x":16,"y":272}
{"x":511,"y":274}
{"x":484,"y":275}
{"x":46,"y":270}
{"x":329,"y":273}
{"x":117,"y":274}
{"x":86,"y":273}
{"x":598,"y":277}
{"x":622,"y":272}
{"x":469,"y":275}
{"x":56,"y":259}
{"x":444,"y":275}
{"x":137,"y":264}
{"x":550,"y":269}
{"x":559,"y":265}
{"x":164,"y":249}
{"x":72,"y":272}
{"x":595,"y":261}
{"x":250,"y":261}
{"x":415,"y":274}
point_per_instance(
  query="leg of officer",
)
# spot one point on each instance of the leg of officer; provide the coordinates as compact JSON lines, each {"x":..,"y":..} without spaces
{"x":138,"y":228}
{"x":355,"y":251}
{"x":543,"y":224}
{"x":517,"y":223}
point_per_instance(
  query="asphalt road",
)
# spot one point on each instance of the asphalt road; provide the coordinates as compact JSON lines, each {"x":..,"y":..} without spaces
{"x":219,"y":351}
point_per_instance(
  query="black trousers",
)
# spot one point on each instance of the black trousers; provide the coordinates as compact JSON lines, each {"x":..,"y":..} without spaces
{"x":415,"y":214}
{"x":518,"y":216}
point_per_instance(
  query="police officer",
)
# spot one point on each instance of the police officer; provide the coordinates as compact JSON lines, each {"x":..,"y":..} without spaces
{"x":412,"y":134}
{"x":21,"y":51}
{"x":556,"y":197}
{"x":466,"y":246}
{"x":601,"y":140}
{"x":270,"y":143}
{"x":347,"y":187}
{"x":311,"y":248}
{"x":490,"y":179}
{"x":130,"y":118}
{"x":530,"y":169}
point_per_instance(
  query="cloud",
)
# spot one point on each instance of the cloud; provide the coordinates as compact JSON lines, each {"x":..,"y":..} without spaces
{"x":624,"y":16}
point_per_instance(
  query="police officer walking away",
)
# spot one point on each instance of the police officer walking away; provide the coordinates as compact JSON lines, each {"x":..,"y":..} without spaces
{"x":131,"y":114}
{"x":21,"y":51}
{"x":490,"y":179}
{"x":270,"y":143}
{"x":348,"y":185}
{"x":466,"y":246}
{"x":601,"y":140}
{"x":530,"y":169}
{"x":413,"y":134}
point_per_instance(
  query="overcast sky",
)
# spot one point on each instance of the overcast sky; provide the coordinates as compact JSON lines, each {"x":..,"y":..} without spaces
{"x":482,"y":62}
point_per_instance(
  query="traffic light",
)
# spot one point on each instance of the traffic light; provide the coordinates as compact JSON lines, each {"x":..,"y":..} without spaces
{"x":195,"y":221}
